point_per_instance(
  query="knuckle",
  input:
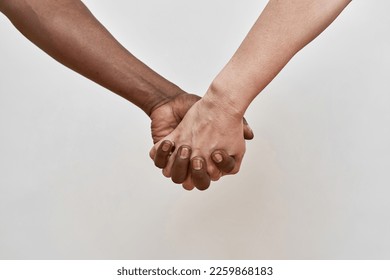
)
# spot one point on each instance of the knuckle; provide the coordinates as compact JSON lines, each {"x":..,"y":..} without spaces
{"x":188,"y":187}
{"x":177,"y":179}
{"x":152,"y":154}
{"x":235,"y":170}
{"x":203,"y":187}
{"x":216,"y":178}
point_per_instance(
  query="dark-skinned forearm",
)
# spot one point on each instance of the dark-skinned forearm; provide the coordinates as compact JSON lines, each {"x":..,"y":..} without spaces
{"x":67,"y":31}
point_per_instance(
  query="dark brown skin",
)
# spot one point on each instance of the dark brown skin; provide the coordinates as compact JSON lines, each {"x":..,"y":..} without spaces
{"x":68,"y":32}
{"x":180,"y":166}
{"x":199,"y":172}
{"x":196,"y":167}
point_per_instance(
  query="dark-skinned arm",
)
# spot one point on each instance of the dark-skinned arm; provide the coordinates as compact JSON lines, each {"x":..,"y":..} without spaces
{"x":68,"y":32}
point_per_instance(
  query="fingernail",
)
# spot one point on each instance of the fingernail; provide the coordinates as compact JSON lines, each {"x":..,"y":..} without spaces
{"x":184,"y":153}
{"x":166,"y":146}
{"x":217,"y":157}
{"x":197,"y":164}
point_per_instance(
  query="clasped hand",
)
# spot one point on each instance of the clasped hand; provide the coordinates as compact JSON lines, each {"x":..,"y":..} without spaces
{"x":197,"y":141}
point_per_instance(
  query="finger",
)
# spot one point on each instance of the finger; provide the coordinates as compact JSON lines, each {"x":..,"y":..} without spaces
{"x":213,"y":171}
{"x":180,"y":165}
{"x":216,"y":177}
{"x":161,"y":156}
{"x":199,"y":173}
{"x":167,"y":171}
{"x":188,"y":187}
{"x":223,"y":160}
{"x":188,"y":184}
{"x":248,"y":132}
{"x":152,"y":153}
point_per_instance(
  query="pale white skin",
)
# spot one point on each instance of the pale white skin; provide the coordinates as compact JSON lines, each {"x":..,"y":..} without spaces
{"x":215,"y":122}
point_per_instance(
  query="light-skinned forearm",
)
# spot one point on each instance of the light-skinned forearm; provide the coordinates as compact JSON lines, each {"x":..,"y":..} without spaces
{"x":67,"y":31}
{"x":283,"y":28}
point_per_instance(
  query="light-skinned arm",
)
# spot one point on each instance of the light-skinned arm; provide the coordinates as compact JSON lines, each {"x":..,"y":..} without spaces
{"x":215,"y":122}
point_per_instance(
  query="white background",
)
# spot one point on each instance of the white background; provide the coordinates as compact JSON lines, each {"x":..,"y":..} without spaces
{"x":76,"y":181}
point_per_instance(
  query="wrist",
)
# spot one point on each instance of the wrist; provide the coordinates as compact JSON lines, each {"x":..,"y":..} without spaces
{"x":162,"y":97}
{"x":219,"y":97}
{"x":143,"y":87}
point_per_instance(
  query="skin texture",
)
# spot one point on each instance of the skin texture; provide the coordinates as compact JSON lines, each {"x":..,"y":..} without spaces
{"x":215,"y":122}
{"x":210,"y":124}
{"x":164,"y":120}
{"x":195,"y":168}
{"x":67,"y":31}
